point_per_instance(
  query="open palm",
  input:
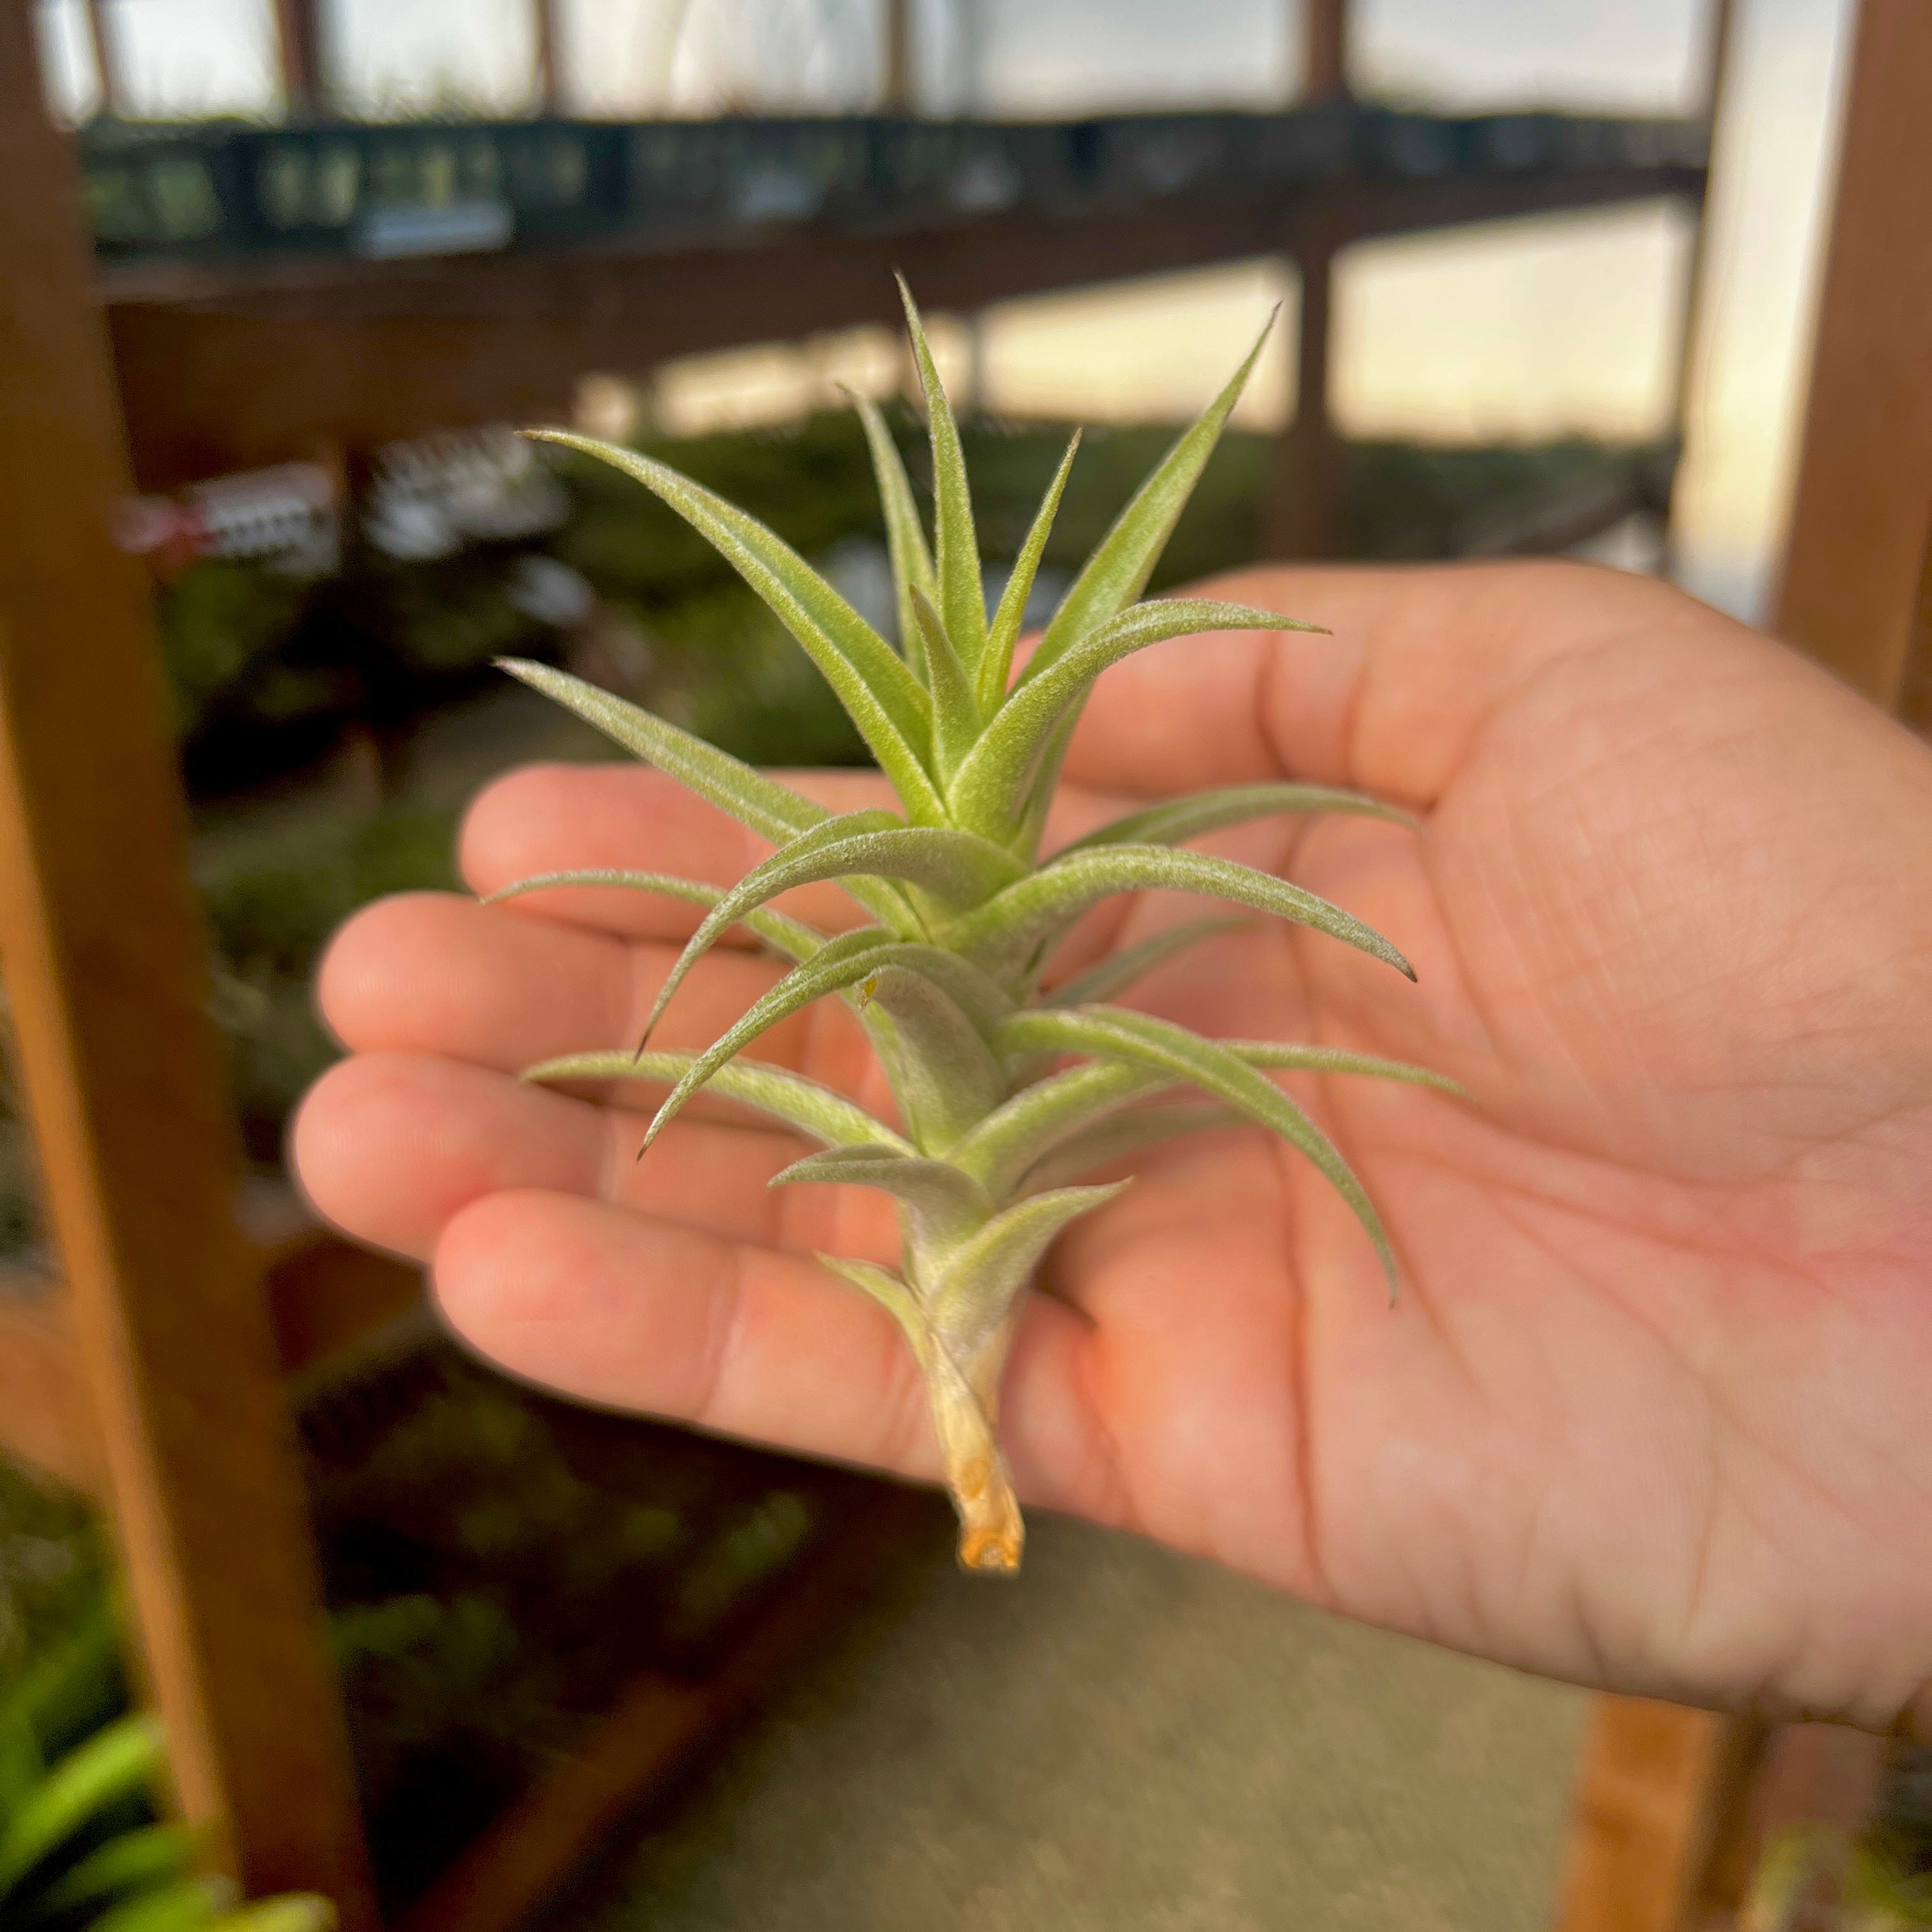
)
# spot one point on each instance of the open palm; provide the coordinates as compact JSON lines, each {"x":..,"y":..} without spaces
{"x":1650,"y":1412}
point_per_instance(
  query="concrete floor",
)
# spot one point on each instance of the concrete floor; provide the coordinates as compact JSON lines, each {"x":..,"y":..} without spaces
{"x":1121,"y":1742}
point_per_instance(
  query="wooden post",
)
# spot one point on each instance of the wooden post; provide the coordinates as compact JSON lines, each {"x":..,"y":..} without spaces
{"x":106,"y":58}
{"x":103,"y":957}
{"x":1302,"y":517}
{"x":1640,"y":1822}
{"x":1864,"y":473}
{"x":301,"y":55}
{"x":550,"y":58}
{"x":1324,"y":49}
{"x":897,"y":91}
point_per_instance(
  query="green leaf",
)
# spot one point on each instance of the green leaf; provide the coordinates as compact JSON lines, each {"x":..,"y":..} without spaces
{"x":887,"y":1290}
{"x":1045,"y":782}
{"x":1119,"y":970}
{"x":141,"y":1858}
{"x":962,"y":597}
{"x":186,"y":1906}
{"x":1169,"y":822}
{"x":1004,"y":935}
{"x":1160,"y":1046}
{"x":955,"y":712}
{"x":955,"y":868}
{"x":20,"y":1765}
{"x":985,"y":1275}
{"x":797,"y":862}
{"x":1288,"y":1056}
{"x":791,"y":937}
{"x":1131,"y":1131}
{"x":841,"y":962}
{"x":292,"y":1911}
{"x":883,"y":699}
{"x":1000,"y":1151}
{"x":946,"y":1205}
{"x":1043,"y":1123}
{"x":114,"y":1763}
{"x":1118,"y":572}
{"x":846,"y":960}
{"x":772,"y":810}
{"x":984,"y":1001}
{"x":996,"y":666}
{"x":787,"y":1097}
{"x":989,"y":792}
{"x":950,"y":1079}
{"x":905,"y":538}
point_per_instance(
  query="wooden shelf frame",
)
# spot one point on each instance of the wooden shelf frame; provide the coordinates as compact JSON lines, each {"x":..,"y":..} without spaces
{"x":152,"y":1372}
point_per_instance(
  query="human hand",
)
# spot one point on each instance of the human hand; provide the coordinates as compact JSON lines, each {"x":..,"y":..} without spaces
{"x":1649,"y":1413}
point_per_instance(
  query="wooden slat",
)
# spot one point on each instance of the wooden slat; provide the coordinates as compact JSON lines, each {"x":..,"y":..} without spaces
{"x":1865,"y":474}
{"x":45,"y":1417}
{"x":121,"y":1072}
{"x":1640,"y":1818}
{"x":654,"y":1730}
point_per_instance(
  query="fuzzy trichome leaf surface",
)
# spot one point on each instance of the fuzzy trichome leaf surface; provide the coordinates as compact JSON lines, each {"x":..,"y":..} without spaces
{"x":1008,"y":1095}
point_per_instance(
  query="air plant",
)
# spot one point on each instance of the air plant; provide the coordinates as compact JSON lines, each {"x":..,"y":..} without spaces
{"x":949,"y":977}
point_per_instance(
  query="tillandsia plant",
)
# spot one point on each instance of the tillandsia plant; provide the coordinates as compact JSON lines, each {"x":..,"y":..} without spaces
{"x":950,"y":976}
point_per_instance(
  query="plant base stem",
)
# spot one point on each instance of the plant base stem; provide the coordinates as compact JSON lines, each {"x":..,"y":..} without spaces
{"x":991,"y":1532}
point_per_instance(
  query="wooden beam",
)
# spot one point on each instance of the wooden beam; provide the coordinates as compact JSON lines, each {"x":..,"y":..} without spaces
{"x":1303,"y":515}
{"x":1324,"y":49}
{"x":301,"y":58}
{"x":123,"y":1079}
{"x":1639,"y":1821}
{"x":1864,"y":473}
{"x":45,"y":1416}
{"x":224,"y":372}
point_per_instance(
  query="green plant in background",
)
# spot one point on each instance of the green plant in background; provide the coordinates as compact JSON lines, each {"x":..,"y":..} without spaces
{"x":994,"y":1133}
{"x":79,"y":1845}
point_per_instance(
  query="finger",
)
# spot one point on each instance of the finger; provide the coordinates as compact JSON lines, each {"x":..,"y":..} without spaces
{"x":390,"y":1146}
{"x":635,"y":1313}
{"x":430,"y":973}
{"x":1390,"y":702}
{"x":556,"y":818}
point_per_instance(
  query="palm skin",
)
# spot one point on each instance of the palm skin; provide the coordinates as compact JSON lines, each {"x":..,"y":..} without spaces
{"x":1650,"y":1412}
